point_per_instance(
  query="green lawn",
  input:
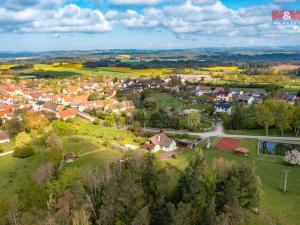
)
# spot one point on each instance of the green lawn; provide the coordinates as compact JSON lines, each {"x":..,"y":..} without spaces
{"x":93,"y":141}
{"x":277,"y":207}
{"x":97,"y":159}
{"x":8,"y":146}
{"x":259,"y":132}
{"x":102,"y":134}
{"x":290,"y":88}
{"x":14,"y":172}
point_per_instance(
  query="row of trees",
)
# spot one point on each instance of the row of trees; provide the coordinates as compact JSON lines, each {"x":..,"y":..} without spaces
{"x":161,"y":119}
{"x":136,"y":191}
{"x":270,"y":114}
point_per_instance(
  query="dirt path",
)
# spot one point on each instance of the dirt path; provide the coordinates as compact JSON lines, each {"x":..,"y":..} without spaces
{"x":6,"y":153}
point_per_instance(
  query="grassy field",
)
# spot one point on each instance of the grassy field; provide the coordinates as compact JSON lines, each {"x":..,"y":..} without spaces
{"x":259,"y":132}
{"x":101,"y":134}
{"x":290,"y":88}
{"x":15,"y":173}
{"x":276,"y":207}
{"x":222,"y":68}
{"x":167,"y":100}
{"x":8,"y":146}
{"x":91,"y":144}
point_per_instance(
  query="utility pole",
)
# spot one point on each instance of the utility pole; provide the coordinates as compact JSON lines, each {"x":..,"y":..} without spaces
{"x":285,"y":180}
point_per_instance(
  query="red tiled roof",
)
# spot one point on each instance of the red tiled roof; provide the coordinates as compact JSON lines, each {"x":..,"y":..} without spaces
{"x":67,"y":113}
{"x":241,"y":150}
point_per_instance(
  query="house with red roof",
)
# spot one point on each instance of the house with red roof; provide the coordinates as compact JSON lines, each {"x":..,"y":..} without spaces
{"x":67,"y":114}
{"x":224,"y":96}
{"x":118,"y":107}
{"x":110,"y":91}
{"x":72,"y":90}
{"x":159,"y":142}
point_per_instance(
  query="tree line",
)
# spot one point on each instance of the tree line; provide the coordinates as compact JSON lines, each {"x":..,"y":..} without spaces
{"x":270,"y":114}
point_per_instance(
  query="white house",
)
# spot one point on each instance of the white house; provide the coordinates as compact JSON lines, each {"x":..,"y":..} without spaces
{"x":160,"y":142}
{"x":223,"y":108}
{"x":244,"y":99}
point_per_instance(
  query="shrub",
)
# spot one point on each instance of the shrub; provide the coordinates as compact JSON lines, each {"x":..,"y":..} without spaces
{"x":22,"y":139}
{"x":64,"y":128}
{"x":24,"y":152}
{"x":139,"y":140}
{"x":96,"y":121}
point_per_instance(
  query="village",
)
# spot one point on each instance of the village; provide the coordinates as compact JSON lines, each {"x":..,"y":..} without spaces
{"x":67,"y":99}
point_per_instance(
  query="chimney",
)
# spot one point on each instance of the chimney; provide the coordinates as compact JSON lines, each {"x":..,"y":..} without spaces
{"x":158,"y":137}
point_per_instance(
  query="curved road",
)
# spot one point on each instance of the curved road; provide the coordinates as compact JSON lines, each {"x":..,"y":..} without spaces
{"x":219,"y":132}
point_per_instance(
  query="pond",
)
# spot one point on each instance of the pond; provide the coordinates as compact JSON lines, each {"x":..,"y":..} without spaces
{"x":275,"y":148}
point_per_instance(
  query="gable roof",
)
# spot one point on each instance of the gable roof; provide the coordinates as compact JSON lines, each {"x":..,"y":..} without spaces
{"x":223,"y":105}
{"x":67,"y":113}
{"x":161,"y":139}
{"x":50,"y":106}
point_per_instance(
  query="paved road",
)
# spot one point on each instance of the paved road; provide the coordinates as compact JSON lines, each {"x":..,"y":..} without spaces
{"x":219,"y":132}
{"x":86,"y":116}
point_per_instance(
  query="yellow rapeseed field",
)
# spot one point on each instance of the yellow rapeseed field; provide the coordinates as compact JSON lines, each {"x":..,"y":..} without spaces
{"x":222,"y":68}
{"x":6,"y":66}
{"x":155,"y":71}
{"x":57,"y":66}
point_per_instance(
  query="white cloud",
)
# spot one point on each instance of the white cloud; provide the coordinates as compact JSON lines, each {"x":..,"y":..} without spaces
{"x":208,"y":18}
{"x":150,"y":19}
{"x":70,"y":18}
{"x":190,"y":19}
{"x":136,"y":2}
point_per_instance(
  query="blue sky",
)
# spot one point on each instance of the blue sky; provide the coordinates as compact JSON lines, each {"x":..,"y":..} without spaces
{"x":43,"y":25}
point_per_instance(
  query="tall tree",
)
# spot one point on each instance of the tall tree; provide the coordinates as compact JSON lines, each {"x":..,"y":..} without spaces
{"x":284,"y":116}
{"x":296,"y":120}
{"x":266,"y":115}
{"x":194,"y":120}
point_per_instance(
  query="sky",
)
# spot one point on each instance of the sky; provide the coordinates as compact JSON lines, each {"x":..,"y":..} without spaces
{"x":52,"y":25}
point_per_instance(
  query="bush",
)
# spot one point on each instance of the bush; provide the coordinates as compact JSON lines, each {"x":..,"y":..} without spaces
{"x":24,"y":152}
{"x":96,"y":121}
{"x":139,"y":140}
{"x":22,"y":139}
{"x":64,"y":128}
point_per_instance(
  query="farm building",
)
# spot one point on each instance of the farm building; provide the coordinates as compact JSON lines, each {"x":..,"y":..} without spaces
{"x":69,"y":157}
{"x":186,"y":143}
{"x":4,"y":137}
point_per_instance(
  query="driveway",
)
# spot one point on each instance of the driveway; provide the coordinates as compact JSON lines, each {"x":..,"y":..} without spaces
{"x":6,"y":153}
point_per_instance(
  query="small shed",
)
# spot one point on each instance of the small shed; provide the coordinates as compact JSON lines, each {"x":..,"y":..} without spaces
{"x":69,"y":157}
{"x":4,"y":137}
{"x":186,"y":143}
{"x":241,"y":150}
